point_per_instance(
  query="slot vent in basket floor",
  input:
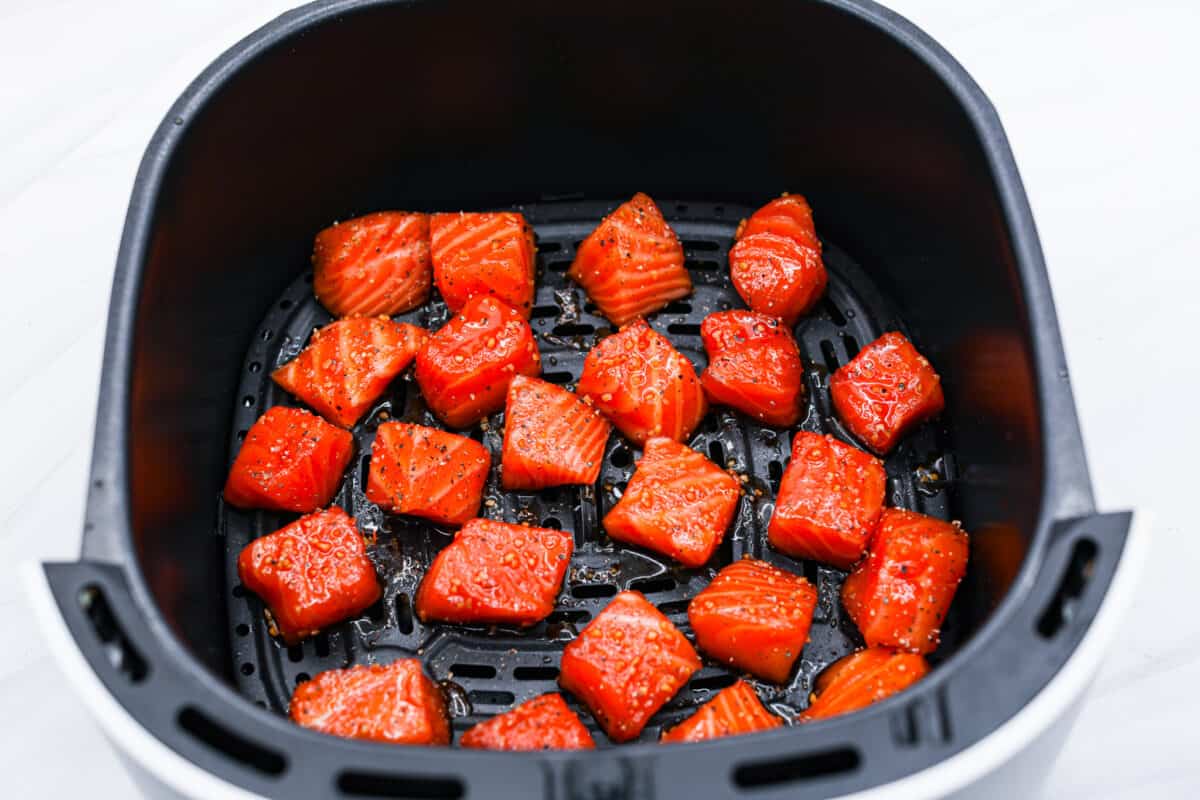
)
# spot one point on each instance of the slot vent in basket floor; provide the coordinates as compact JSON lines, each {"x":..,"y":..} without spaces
{"x":487,"y":670}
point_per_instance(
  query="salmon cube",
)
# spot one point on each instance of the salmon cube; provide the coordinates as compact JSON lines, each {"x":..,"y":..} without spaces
{"x":551,"y":437}
{"x":426,"y":472}
{"x":372,"y":265}
{"x":753,"y":366}
{"x":863,"y":678}
{"x":776,"y":264}
{"x":483,"y":254}
{"x":735,"y":710}
{"x":543,"y":723}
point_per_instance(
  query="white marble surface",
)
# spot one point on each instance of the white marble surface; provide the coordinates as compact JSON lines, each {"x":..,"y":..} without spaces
{"x":1099,"y":100}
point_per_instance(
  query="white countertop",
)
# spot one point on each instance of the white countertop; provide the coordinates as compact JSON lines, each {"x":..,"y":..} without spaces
{"x":1099,"y":100}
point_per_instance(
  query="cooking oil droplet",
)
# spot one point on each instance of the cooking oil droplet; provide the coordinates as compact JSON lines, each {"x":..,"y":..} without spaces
{"x":456,"y":698}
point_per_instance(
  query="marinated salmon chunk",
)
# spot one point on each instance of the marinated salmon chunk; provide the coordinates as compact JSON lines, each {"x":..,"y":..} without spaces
{"x":626,"y":664}
{"x":488,"y":254}
{"x":830,"y":499}
{"x":755,"y":617}
{"x":551,"y":437}
{"x":776,"y":262}
{"x":899,"y":594}
{"x":735,"y":710}
{"x":496,"y":573}
{"x":863,"y":678}
{"x":372,"y":265}
{"x":677,"y":503}
{"x":348,"y":365}
{"x":291,"y":460}
{"x":753,"y":366}
{"x":397,"y":703}
{"x":632,"y":264}
{"x":643,"y":385}
{"x":543,"y":723}
{"x":465,"y":368}
{"x":311,"y":574}
{"x":426,"y":472}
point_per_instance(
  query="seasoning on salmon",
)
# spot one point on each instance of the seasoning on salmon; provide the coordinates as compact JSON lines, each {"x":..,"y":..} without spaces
{"x":483,"y":254}
{"x":643,"y":385}
{"x":863,"y":678}
{"x":426,"y":472}
{"x":543,"y":723}
{"x":753,"y":366}
{"x":776,"y":262}
{"x":626,"y":664}
{"x":291,"y":460}
{"x":830,"y":499}
{"x":885,"y":391}
{"x":632,"y":264}
{"x":348,"y":365}
{"x":496,"y":573}
{"x":465,"y":368}
{"x":755,"y":617}
{"x":397,"y":703}
{"x":551,"y":437}
{"x":900,"y":593}
{"x":677,"y":503}
{"x":311,"y":574}
{"x":733,"y":711}
{"x":372,"y":265}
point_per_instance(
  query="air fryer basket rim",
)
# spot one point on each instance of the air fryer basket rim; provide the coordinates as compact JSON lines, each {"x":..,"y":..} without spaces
{"x":109,"y":562}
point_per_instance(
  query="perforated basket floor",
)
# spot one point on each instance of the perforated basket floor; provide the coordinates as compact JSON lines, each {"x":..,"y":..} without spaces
{"x":486,"y":671}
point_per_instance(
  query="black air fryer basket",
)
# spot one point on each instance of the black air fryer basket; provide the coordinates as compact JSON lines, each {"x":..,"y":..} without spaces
{"x":561,"y":111}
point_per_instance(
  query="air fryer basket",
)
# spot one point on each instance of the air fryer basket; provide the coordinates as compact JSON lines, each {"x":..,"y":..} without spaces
{"x":562,"y":110}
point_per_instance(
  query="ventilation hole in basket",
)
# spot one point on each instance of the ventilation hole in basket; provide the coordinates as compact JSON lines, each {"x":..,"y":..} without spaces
{"x":302,"y":677}
{"x":574,"y":329}
{"x":549,"y":247}
{"x":248,"y":401}
{"x":811,"y":571}
{"x":561,"y":378}
{"x":775,"y":473}
{"x":230,"y":743}
{"x":591,"y":308}
{"x":719,"y":211}
{"x":759,"y":774}
{"x":684,"y":328}
{"x":484,"y":697}
{"x":701,"y":244}
{"x":851,"y":345}
{"x":592,"y":591}
{"x":552,"y":522}
{"x":407,"y":787}
{"x":943,"y":714}
{"x":535,"y":673}
{"x":559,"y":266}
{"x":702,"y":265}
{"x":239,"y":591}
{"x":662,"y":583}
{"x":295,"y":654}
{"x":118,"y":648}
{"x":831,"y":359}
{"x":904,"y":726}
{"x":247,"y":668}
{"x":242,"y":630}
{"x":375,"y":612}
{"x":1061,"y":608}
{"x":404,"y":614}
{"x":364,"y":469}
{"x":681,"y":208}
{"x":477,"y":671}
{"x":571,"y":615}
{"x":673,"y":607}
{"x":713,"y":682}
{"x":545,"y":312}
{"x":716,"y":452}
{"x":835,"y":313}
{"x":322,"y":645}
{"x":678,"y":307}
{"x":254,"y":366}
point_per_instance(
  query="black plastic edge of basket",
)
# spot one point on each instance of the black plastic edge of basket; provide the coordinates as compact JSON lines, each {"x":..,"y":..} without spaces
{"x":126,"y":641}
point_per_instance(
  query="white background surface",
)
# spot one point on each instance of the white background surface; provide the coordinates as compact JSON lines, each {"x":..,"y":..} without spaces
{"x":1100,"y":102}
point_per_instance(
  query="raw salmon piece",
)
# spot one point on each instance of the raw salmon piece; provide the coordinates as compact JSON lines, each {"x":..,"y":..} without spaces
{"x":427,"y":473}
{"x":734,"y":710}
{"x":496,"y":573}
{"x":677,"y":503}
{"x":543,"y":723}
{"x":788,"y":216}
{"x":776,"y":275}
{"x":643,"y":385}
{"x":483,"y":254}
{"x":372,"y":265}
{"x":885,"y":391}
{"x":551,"y":437}
{"x":830,"y":499}
{"x":291,"y":460}
{"x":632,"y":264}
{"x":755,"y":617}
{"x":348,"y":365}
{"x":863,"y":678}
{"x":397,"y":703}
{"x":311,"y":574}
{"x":465,"y":368}
{"x":899,"y":594}
{"x":753,"y":366}
{"x":627,"y":663}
